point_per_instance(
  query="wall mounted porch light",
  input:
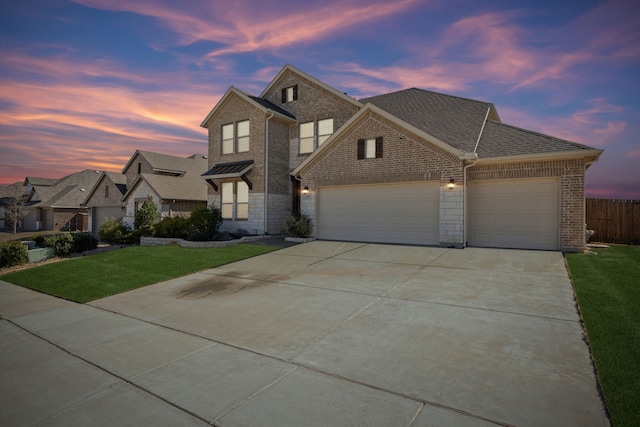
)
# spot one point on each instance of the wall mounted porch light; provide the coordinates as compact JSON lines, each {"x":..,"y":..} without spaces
{"x":451,"y":185}
{"x":305,"y":190}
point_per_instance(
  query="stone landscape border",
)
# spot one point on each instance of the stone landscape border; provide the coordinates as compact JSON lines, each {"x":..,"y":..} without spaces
{"x":167,"y":241}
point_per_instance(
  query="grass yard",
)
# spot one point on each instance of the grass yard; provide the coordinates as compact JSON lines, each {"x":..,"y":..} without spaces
{"x":97,"y":276}
{"x":608,"y":291}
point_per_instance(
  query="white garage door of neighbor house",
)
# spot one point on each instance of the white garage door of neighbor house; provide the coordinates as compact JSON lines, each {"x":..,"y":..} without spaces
{"x":521,"y":214}
{"x":387,"y":213}
{"x":100,"y":213}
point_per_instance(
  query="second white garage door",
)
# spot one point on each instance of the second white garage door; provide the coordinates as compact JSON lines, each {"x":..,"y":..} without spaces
{"x":522,"y":214}
{"x":388,"y":213}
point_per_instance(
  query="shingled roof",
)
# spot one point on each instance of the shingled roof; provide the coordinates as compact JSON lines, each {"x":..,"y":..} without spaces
{"x":502,"y":140}
{"x":454,"y":120}
{"x":69,"y":191}
{"x":187,"y":187}
{"x":172,"y":164}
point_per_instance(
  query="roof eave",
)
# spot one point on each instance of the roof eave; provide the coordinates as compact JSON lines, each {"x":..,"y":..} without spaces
{"x":561,"y":155}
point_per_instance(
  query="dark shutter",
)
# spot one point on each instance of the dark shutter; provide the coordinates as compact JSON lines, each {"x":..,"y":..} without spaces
{"x":379,"y":147}
{"x":361,"y":145}
{"x":284,"y":95}
{"x":295,"y":92}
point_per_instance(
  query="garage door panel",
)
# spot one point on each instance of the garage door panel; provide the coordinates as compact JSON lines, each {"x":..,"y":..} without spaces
{"x":393,"y":213}
{"x":515,"y":213}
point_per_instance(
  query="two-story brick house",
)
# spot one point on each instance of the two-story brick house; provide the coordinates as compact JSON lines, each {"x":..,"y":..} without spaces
{"x":412,"y":167}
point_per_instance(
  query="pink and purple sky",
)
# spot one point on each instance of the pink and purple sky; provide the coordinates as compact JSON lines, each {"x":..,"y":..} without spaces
{"x":85,"y":83}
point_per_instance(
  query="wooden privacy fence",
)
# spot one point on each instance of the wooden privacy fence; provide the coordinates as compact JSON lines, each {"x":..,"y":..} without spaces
{"x":614,"y":221}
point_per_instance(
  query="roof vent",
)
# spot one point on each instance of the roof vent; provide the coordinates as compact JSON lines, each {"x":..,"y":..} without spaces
{"x":82,"y":189}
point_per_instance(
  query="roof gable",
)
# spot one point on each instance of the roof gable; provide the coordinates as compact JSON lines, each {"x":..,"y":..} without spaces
{"x":361,"y":115}
{"x":291,"y":69}
{"x":119,"y":180}
{"x":262,"y":104}
{"x":187,"y":187}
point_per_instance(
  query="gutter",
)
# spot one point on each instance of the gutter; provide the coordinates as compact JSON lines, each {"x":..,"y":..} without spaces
{"x":266,"y":172}
{"x":584,"y":197}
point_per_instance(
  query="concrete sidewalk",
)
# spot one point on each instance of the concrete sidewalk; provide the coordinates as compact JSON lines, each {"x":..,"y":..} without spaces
{"x":325,"y":333}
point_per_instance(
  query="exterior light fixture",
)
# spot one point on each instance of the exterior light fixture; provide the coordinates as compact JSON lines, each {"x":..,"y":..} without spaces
{"x":451,"y":185}
{"x":305,"y":190}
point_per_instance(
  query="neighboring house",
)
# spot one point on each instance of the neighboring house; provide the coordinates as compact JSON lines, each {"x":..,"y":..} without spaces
{"x":58,"y":204}
{"x":410,"y":167}
{"x":105,"y":199}
{"x":8,"y":194}
{"x":173,"y":183}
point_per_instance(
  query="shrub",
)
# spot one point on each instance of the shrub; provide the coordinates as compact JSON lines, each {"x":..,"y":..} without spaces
{"x":146,"y":218}
{"x":13,"y":253}
{"x":114,"y":231}
{"x":84,"y":242}
{"x":205,"y":220}
{"x":62,"y":244}
{"x":299,"y":225}
{"x":172,"y":227}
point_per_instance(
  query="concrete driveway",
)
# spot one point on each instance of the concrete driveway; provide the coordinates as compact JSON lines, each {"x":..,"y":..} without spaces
{"x":325,"y":333}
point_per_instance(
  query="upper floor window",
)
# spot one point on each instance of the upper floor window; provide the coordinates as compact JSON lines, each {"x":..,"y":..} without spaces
{"x":370,"y":148}
{"x":325,"y":130}
{"x":231,"y":144}
{"x":289,"y":94}
{"x":243,"y":136}
{"x":307,"y":137}
{"x":308,"y":140}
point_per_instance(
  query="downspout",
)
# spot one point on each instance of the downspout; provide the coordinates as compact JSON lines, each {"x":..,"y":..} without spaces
{"x":464,"y":180}
{"x":266,"y":173}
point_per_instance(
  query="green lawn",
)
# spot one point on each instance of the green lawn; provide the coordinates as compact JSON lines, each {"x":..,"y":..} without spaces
{"x":97,"y":276}
{"x":608,"y":291}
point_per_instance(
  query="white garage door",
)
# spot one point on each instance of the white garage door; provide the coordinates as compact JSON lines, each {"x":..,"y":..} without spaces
{"x":100,"y":213}
{"x":522,"y":214}
{"x":386,"y":213}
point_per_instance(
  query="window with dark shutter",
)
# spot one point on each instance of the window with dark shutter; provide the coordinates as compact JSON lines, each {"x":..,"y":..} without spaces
{"x":361,"y":144}
{"x":289,"y":94}
{"x":370,"y":148}
{"x":379,"y":147}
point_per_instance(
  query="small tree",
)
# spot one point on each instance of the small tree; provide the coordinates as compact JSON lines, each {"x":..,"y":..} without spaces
{"x":146,"y":218}
{"x":17,"y":208}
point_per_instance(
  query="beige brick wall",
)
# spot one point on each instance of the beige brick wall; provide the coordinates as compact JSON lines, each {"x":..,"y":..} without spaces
{"x":314,"y":103}
{"x":132,"y":171}
{"x":406,"y":157}
{"x":236,"y":109}
{"x":571,"y":175}
{"x":98,"y":197}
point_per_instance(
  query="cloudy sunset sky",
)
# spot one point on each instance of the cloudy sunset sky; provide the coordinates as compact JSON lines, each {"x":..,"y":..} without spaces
{"x":85,"y":83}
